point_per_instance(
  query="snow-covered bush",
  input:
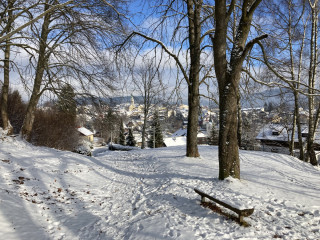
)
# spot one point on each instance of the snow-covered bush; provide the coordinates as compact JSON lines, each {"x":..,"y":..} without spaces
{"x":84,"y":147}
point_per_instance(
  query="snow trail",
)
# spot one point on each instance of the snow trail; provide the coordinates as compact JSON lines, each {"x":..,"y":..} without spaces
{"x":148,"y":194}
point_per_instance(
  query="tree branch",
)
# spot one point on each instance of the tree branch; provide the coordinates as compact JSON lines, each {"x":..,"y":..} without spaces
{"x":5,"y":37}
{"x":231,"y":7}
{"x":175,"y":57}
{"x":250,"y":44}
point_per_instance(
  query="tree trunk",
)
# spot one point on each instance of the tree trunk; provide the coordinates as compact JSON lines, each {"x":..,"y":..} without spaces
{"x":229,"y":163}
{"x":311,"y":84}
{"x":228,"y":77}
{"x":143,"y":145}
{"x":6,"y":76}
{"x":194,"y":18}
{"x":5,"y":90}
{"x":239,"y":133}
{"x":298,"y":123}
{"x":313,"y":159}
{"x":193,"y":102}
{"x":293,"y":130}
{"x":42,"y":62}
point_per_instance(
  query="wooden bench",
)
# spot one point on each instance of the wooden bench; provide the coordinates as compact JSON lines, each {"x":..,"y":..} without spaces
{"x":241,"y":212}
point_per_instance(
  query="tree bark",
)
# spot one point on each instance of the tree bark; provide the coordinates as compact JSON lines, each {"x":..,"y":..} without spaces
{"x":6,"y":76}
{"x":43,"y":57}
{"x":194,"y":18}
{"x":311,"y":84}
{"x":293,"y":130}
{"x":298,"y":123}
{"x":239,"y":133}
{"x":5,"y":90}
{"x":228,"y":77}
{"x":193,"y":102}
{"x":229,"y":164}
{"x":145,"y":114}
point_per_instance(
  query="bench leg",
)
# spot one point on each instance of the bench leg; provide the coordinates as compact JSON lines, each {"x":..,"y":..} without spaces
{"x":240,"y":218}
{"x":203,"y":199}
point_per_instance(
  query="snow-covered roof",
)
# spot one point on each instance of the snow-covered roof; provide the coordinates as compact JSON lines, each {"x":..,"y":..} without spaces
{"x":180,"y":132}
{"x":201,"y":134}
{"x":175,"y":141}
{"x":278,"y":132}
{"x":183,"y":132}
{"x":85,"y":131}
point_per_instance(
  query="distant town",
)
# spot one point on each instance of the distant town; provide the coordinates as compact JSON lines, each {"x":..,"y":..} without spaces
{"x":263,"y":128}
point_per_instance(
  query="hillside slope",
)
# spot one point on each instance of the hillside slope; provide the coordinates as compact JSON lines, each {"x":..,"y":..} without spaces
{"x":148,"y":194}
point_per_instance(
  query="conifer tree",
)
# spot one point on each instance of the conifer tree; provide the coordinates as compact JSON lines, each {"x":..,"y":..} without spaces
{"x":156,"y":132}
{"x":213,"y":138}
{"x":130,"y":139}
{"x":66,"y":100}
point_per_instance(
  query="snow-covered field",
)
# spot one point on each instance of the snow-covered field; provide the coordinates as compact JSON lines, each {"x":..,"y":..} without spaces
{"x":148,"y":194}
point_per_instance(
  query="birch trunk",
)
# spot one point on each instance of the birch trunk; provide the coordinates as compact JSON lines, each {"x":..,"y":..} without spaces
{"x":310,"y":156}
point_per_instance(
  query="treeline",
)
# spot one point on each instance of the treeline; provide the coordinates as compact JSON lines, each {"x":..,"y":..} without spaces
{"x":229,"y":47}
{"x":54,"y":125}
{"x":48,"y":45}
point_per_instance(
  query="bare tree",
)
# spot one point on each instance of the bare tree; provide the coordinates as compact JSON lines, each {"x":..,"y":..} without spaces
{"x":4,"y":35}
{"x":291,"y":22}
{"x":228,"y":72}
{"x":290,"y":68}
{"x":187,"y":43}
{"x":149,"y":85}
{"x":313,"y":119}
{"x":68,"y":52}
{"x":11,"y":11}
{"x":6,"y":69}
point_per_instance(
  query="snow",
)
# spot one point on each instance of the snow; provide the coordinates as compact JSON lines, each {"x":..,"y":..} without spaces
{"x":175,"y":141}
{"x":148,"y":194}
{"x":180,"y":132}
{"x":85,"y":131}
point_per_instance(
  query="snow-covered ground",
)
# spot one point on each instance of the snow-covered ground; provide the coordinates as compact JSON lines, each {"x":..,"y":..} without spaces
{"x":148,"y":194}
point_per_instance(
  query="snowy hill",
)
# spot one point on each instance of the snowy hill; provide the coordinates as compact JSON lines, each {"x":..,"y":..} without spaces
{"x":148,"y":194}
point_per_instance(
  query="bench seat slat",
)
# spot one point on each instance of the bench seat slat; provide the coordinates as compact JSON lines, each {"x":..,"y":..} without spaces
{"x":241,"y":213}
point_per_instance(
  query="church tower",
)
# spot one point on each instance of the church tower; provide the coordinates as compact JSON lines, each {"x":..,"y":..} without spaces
{"x":132,"y":107}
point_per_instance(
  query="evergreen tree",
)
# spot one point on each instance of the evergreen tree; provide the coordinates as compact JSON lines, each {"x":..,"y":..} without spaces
{"x":122,"y":139}
{"x":213,"y":138}
{"x":156,"y":132}
{"x":130,"y":139}
{"x":66,"y":100}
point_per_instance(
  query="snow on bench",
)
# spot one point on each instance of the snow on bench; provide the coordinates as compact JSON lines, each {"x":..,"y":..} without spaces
{"x":241,"y":212}
{"x":118,"y":147}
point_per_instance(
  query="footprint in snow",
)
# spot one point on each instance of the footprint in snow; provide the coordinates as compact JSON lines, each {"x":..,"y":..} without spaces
{"x":140,"y":227}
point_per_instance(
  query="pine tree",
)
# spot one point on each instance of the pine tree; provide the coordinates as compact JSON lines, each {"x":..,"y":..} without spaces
{"x":156,"y":132}
{"x":122,"y":139}
{"x":130,"y":139}
{"x":66,"y":100}
{"x":213,"y":138}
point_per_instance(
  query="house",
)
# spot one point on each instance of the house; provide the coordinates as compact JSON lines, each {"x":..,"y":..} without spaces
{"x":86,"y":133}
{"x":276,"y":137}
{"x":175,"y":141}
{"x":180,"y":138}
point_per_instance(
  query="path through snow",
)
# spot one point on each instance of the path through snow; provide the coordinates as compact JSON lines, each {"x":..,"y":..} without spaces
{"x":148,"y":194}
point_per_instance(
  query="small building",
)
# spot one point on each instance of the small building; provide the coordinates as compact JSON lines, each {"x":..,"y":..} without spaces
{"x":276,"y":137}
{"x":175,"y":141}
{"x":176,"y":138}
{"x":86,"y":133}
